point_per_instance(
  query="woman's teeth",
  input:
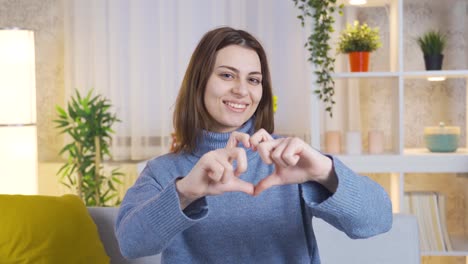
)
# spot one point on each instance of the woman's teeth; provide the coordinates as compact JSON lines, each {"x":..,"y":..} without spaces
{"x":237,"y":106}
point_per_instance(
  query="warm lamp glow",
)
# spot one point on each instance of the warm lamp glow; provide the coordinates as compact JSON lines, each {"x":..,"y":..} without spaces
{"x":17,"y":77}
{"x":18,"y":139}
{"x":18,"y":160}
{"x":357,"y":2}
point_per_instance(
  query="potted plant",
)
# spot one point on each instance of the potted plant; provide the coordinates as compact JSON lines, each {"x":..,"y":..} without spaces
{"x":358,"y":41}
{"x":88,"y":121}
{"x":321,"y":12}
{"x":432,"y":44}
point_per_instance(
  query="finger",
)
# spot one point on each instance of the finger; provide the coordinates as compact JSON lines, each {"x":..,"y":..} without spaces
{"x":266,"y":183}
{"x":237,"y":137}
{"x":265,"y":148}
{"x":240,"y":156}
{"x":228,"y":169}
{"x":277,"y":154}
{"x":215,"y":171}
{"x":238,"y":185}
{"x":291,"y":153}
{"x":260,"y":136}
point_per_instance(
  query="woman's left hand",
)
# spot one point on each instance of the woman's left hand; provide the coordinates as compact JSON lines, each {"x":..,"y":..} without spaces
{"x":295,"y":162}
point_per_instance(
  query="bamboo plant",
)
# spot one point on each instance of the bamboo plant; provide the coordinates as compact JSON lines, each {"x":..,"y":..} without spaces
{"x":88,"y":121}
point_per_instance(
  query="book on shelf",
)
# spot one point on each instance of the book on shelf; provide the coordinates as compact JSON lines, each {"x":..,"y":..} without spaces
{"x":429,"y":209}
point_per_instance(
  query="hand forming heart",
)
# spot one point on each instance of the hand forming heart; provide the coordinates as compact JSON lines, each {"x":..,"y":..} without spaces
{"x":295,"y":162}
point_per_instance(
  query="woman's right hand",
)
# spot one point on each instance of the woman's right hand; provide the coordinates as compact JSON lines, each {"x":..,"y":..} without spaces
{"x":214,"y":173}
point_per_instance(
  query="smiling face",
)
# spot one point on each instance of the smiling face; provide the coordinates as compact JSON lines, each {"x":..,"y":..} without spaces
{"x":234,"y":88}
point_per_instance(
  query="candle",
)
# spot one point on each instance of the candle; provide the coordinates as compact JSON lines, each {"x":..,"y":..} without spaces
{"x":376,"y":141}
{"x":333,"y":142}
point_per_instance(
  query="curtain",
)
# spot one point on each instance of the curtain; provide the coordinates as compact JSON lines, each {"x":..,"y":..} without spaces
{"x":135,"y":53}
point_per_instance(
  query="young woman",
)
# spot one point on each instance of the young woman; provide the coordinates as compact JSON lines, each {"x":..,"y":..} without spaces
{"x":231,"y":192}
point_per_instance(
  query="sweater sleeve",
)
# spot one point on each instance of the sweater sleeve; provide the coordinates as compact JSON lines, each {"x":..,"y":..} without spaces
{"x":360,"y":207}
{"x":150,"y":216}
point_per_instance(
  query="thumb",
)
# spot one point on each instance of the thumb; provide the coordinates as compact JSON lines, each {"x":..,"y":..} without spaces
{"x":238,"y":185}
{"x":268,"y":182}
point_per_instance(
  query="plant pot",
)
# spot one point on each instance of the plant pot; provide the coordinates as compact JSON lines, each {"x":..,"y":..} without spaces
{"x":433,"y":62}
{"x":359,"y":61}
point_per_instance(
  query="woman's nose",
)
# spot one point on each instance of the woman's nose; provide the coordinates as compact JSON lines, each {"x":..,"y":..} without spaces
{"x":240,"y":88}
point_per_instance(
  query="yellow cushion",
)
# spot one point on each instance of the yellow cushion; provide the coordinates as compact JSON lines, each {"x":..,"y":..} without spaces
{"x":48,"y":230}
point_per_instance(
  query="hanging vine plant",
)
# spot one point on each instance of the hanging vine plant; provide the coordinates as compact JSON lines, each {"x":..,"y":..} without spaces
{"x":321,"y":11}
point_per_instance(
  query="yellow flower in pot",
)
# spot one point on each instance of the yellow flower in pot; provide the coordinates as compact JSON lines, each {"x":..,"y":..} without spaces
{"x":358,"y":41}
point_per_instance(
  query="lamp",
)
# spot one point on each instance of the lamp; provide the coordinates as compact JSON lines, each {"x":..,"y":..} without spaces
{"x":18,"y":133}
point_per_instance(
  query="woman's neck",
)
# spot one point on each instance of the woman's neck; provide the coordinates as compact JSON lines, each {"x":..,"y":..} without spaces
{"x":209,"y":141}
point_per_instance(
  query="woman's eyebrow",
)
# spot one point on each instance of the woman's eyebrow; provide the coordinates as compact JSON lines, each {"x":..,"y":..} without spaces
{"x":237,"y":71}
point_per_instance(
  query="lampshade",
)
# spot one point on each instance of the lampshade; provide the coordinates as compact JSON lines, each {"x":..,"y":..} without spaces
{"x":18,"y":139}
{"x":17,"y":77}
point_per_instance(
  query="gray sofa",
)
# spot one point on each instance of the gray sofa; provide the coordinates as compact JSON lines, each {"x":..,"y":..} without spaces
{"x":400,"y":245}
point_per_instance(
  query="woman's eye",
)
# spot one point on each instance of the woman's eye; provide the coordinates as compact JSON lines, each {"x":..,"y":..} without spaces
{"x":227,"y":76}
{"x":254,"y":81}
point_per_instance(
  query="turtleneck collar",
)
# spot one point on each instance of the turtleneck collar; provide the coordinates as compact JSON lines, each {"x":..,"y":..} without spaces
{"x":213,"y":140}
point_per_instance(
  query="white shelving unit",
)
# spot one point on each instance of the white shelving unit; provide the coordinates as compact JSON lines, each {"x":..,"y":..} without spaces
{"x":411,"y":161}
{"x":399,"y":160}
{"x":343,"y":75}
{"x":427,"y":74}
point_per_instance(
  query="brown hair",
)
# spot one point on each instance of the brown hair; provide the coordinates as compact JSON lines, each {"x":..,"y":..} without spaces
{"x":190,"y":114}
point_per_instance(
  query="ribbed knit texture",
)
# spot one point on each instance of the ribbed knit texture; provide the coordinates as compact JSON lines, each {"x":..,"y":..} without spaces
{"x":274,"y":227}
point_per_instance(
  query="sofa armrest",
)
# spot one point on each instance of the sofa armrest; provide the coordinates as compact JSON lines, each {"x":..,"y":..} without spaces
{"x":104,"y":217}
{"x":399,"y":245}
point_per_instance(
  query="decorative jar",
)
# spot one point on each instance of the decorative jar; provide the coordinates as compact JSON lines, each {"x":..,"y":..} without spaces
{"x":442,"y":138}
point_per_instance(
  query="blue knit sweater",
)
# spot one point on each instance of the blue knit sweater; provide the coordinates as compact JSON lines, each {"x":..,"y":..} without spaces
{"x":274,"y":227}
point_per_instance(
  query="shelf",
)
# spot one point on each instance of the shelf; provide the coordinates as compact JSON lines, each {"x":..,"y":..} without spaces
{"x":459,"y":244}
{"x":425,"y":152}
{"x":364,"y":75}
{"x":412,"y":161}
{"x":372,"y":163}
{"x":425,"y":74}
{"x":370,"y":3}
{"x":406,"y":75}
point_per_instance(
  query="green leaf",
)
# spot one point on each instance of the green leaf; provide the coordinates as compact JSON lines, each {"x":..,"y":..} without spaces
{"x":110,"y":197}
{"x":116,"y":180}
{"x":61,"y":112}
